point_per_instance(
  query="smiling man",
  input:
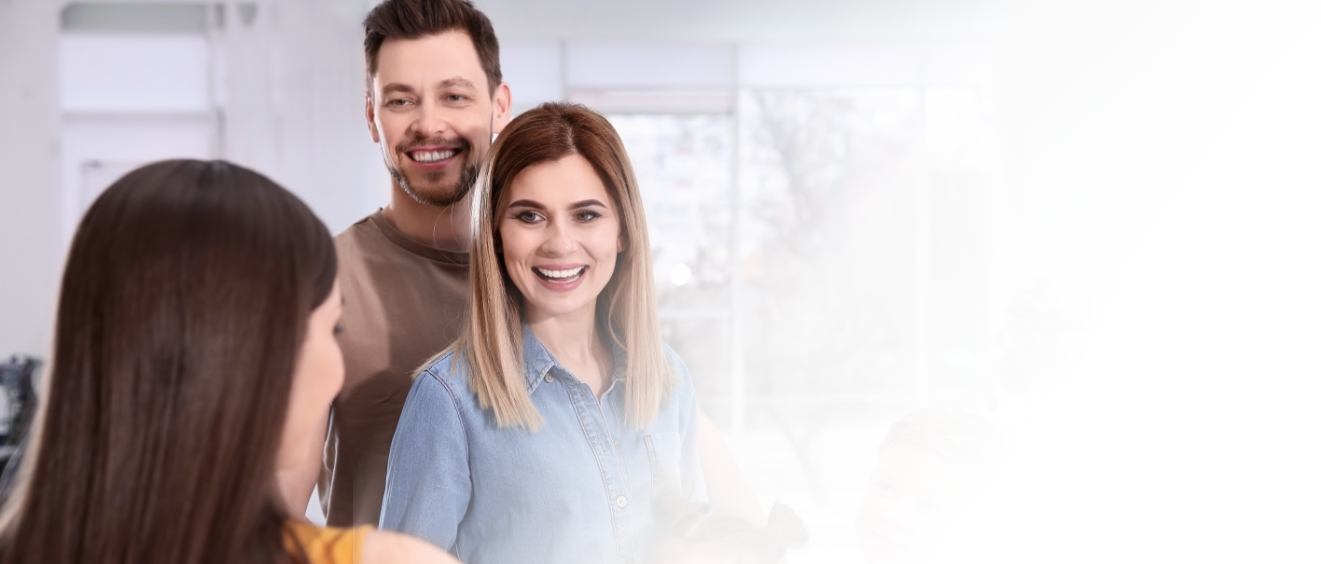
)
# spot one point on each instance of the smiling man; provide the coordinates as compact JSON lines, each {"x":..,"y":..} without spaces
{"x":435,"y":98}
{"x":433,"y":129}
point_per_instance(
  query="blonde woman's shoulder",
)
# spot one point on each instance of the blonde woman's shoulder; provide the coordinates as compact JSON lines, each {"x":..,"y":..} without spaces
{"x":678,"y":368}
{"x":384,"y":547}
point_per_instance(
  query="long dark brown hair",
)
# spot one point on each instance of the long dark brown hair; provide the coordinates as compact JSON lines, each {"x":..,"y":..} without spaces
{"x":181,"y":315}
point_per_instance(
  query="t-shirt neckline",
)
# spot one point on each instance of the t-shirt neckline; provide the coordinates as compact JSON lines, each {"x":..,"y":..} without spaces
{"x":403,"y":241}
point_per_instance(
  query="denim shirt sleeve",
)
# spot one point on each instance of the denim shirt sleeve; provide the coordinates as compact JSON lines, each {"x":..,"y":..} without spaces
{"x":427,"y":482}
{"x":691,"y":479}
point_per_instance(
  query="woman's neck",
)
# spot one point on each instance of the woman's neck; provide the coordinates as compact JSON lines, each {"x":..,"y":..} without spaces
{"x":576,"y":343}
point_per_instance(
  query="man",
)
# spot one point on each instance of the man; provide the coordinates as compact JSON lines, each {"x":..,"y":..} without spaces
{"x":435,"y":98}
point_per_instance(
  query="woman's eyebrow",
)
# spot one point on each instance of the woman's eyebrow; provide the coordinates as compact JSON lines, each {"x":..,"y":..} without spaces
{"x":586,"y":204}
{"x":526,"y":204}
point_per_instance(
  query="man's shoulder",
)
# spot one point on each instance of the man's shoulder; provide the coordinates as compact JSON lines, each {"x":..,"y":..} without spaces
{"x":354,"y":234}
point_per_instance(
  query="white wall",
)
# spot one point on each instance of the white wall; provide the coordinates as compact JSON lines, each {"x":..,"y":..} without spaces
{"x":30,"y":244}
{"x":291,"y":107}
{"x":293,"y":103}
{"x":132,"y":73}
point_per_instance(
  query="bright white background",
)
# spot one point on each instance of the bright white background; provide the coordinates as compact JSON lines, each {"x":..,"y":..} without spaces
{"x":1094,"y":225}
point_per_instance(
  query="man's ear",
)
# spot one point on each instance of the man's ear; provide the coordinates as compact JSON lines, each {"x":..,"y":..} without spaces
{"x":501,"y":104}
{"x":370,"y":111}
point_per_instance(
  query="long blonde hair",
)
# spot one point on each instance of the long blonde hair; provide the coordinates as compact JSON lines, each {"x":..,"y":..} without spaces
{"x":492,"y":341}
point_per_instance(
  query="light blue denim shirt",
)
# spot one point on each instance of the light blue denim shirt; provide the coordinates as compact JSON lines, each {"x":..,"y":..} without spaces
{"x":578,"y":490}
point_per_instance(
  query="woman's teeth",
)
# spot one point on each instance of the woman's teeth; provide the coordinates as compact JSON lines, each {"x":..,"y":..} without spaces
{"x":431,"y":156}
{"x":559,"y":274}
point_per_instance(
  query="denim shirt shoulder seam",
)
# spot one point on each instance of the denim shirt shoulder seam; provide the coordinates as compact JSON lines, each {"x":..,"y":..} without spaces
{"x":680,"y":378}
{"x":454,"y":401}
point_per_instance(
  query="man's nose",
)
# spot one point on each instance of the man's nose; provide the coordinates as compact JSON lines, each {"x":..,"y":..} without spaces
{"x":432,"y":121}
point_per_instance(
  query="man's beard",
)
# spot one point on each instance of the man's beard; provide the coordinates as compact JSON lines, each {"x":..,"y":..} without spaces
{"x":467,"y":178}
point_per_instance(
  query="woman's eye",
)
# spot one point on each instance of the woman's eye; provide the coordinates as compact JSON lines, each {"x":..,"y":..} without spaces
{"x":588,"y":215}
{"x":528,"y":217}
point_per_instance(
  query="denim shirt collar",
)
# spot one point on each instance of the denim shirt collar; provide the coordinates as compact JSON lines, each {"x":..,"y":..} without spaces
{"x":537,"y":361}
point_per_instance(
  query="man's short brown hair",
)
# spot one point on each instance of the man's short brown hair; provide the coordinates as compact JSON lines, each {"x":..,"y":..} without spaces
{"x":411,"y":19}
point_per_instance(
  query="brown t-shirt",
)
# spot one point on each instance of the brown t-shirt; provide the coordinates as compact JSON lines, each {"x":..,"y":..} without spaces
{"x":403,"y":303}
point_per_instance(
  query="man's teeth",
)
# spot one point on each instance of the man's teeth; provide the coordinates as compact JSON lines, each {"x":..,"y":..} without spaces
{"x":560,"y":274}
{"x":431,"y":156}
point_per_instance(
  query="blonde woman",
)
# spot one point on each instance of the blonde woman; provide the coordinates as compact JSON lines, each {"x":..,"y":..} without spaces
{"x":546,"y":431}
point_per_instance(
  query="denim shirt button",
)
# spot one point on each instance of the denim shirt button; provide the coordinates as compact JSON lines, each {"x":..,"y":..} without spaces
{"x":621,"y":501}
{"x":550,"y":378}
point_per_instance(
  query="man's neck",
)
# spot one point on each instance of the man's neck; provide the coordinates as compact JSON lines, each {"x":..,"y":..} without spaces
{"x":442,"y":228}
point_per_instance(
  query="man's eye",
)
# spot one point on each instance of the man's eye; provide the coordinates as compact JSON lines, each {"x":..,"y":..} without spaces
{"x":398,"y":102}
{"x":456,"y":97}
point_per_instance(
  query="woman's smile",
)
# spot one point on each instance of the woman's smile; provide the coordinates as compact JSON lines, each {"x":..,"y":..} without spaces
{"x":560,"y":278}
{"x":560,"y":237}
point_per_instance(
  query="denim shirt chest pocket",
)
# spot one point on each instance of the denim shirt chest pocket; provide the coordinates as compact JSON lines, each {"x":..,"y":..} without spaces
{"x":663,"y":451}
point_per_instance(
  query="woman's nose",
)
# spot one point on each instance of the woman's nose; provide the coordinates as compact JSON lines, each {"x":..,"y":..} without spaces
{"x":558,"y":242}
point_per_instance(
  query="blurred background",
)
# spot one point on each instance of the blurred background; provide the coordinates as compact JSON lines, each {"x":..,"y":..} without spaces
{"x":1072,"y":246}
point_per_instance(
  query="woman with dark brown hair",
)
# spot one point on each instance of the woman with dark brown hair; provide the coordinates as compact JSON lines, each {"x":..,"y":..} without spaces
{"x":195,"y":361}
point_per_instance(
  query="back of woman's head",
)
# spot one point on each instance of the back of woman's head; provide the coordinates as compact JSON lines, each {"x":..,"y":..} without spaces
{"x":182,"y":308}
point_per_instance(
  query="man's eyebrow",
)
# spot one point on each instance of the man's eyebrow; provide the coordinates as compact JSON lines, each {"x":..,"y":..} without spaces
{"x":456,"y":81}
{"x":396,"y":87}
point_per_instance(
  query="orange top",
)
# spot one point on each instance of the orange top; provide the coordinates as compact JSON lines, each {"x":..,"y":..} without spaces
{"x":324,"y":545}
